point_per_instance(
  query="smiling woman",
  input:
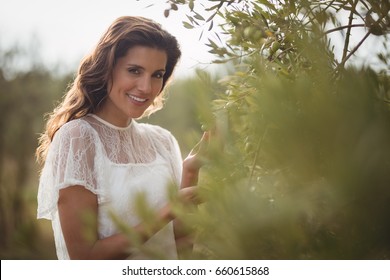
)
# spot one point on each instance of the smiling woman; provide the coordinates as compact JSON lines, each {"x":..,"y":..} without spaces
{"x":98,"y":159}
{"x":137,"y":80}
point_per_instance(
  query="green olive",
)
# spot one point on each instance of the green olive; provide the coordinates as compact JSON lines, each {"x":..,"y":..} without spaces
{"x":248,"y":31}
{"x":274,"y":47}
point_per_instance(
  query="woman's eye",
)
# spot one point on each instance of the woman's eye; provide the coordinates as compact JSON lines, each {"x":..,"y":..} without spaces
{"x":159,"y":75}
{"x":134,"y":71}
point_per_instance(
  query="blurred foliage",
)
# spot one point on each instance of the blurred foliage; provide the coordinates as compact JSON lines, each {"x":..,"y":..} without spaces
{"x":25,"y":96}
{"x":304,"y":173}
{"x":300,"y":167}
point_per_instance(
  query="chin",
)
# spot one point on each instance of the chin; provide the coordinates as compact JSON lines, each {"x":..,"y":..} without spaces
{"x":136,"y":116}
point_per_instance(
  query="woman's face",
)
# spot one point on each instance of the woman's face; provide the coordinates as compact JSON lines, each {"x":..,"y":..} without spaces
{"x":137,"y":79}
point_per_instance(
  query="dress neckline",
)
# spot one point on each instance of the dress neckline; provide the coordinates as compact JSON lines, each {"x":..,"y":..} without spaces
{"x":110,"y":124}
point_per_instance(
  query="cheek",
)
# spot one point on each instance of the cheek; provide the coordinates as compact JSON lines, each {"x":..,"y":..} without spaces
{"x":157,"y":87}
{"x":121,"y":79}
{"x":112,"y":85}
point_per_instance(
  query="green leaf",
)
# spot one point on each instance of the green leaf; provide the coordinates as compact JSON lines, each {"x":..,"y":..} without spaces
{"x":198,"y":16}
{"x":187,"y":25}
{"x":211,"y":25}
{"x":267,"y":4}
{"x":191,"y":5}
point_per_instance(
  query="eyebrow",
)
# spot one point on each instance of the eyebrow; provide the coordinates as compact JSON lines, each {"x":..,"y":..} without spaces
{"x":143,"y":68}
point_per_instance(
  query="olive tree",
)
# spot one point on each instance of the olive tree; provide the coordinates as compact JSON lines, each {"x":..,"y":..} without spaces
{"x":298,"y":164}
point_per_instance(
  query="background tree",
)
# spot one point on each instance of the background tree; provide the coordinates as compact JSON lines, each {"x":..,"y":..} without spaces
{"x":304,"y":168}
{"x":25,"y":96}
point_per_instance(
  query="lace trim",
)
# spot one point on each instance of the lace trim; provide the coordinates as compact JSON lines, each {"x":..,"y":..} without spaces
{"x":110,"y":124}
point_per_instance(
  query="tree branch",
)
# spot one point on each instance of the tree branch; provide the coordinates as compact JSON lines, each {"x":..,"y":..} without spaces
{"x":346,"y":44}
{"x":343,"y":27}
{"x":355,"y":48}
{"x":346,"y":57}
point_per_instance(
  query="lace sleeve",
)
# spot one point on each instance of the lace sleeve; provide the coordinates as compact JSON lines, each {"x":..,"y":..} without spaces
{"x":71,"y":160}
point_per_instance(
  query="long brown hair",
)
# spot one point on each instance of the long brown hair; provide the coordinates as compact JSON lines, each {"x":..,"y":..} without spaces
{"x":89,"y":89}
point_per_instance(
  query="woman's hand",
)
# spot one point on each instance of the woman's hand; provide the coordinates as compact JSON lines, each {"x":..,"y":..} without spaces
{"x":189,"y":195}
{"x":194,"y":161}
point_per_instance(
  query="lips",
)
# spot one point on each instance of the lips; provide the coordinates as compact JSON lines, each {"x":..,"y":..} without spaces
{"x":136,"y":98}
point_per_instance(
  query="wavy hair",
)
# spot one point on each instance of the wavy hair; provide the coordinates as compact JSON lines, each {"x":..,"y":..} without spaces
{"x":90,"y":87}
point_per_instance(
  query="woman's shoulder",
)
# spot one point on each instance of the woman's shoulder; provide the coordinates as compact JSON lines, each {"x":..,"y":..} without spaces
{"x":77,"y":128}
{"x":76,"y":135}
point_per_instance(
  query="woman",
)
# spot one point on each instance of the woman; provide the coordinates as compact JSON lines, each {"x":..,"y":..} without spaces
{"x":98,"y":159}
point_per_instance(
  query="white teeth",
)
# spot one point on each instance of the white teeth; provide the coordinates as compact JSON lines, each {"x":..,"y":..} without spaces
{"x":136,"y":98}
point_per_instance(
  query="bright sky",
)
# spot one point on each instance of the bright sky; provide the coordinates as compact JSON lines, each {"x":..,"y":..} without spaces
{"x":66,"y":30}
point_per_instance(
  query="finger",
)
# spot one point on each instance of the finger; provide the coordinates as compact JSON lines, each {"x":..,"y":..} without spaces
{"x":204,"y":143}
{"x":201,"y":146}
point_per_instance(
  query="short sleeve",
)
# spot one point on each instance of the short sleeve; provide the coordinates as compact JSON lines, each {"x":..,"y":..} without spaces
{"x":71,"y":160}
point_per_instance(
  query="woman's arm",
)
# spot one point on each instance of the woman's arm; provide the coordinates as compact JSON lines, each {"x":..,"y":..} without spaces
{"x":78,"y":210}
{"x":190,"y":174}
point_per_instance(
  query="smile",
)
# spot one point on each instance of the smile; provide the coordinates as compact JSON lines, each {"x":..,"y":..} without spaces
{"x":137,"y":99}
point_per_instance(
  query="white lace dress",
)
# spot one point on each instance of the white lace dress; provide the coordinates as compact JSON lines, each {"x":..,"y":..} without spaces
{"x":116,"y":164}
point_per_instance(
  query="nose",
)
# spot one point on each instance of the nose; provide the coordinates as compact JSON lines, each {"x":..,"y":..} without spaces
{"x":144,"y":84}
